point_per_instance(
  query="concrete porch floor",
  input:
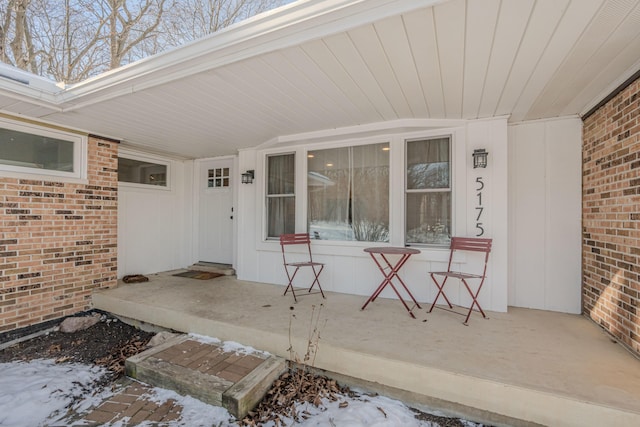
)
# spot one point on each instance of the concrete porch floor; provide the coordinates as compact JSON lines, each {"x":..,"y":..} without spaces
{"x":524,"y":367}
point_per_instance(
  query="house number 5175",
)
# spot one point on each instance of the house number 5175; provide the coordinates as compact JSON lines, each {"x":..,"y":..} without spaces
{"x":479,"y":207}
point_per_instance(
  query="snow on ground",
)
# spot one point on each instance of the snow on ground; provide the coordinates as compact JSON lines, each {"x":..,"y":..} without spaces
{"x":194,"y":412}
{"x":38,"y":393}
{"x":228,"y":346}
{"x":364,"y":411}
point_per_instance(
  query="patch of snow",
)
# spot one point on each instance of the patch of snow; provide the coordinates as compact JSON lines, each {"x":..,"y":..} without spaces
{"x":363,"y":411}
{"x":204,"y":339}
{"x":228,"y":346}
{"x":194,"y":412}
{"x":40,"y":392}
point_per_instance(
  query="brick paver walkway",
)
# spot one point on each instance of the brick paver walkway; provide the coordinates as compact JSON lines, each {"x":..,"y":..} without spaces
{"x":210,"y":359}
{"x":133,"y":405}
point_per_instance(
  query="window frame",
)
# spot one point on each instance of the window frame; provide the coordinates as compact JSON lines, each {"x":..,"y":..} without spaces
{"x":80,"y":144}
{"x":146,"y":158}
{"x":267,"y":196}
{"x":349,"y":144}
{"x":449,"y":189}
{"x":397,"y":209}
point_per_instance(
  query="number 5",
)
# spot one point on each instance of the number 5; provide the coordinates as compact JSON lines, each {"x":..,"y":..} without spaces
{"x":479,"y":181}
{"x":479,"y":227}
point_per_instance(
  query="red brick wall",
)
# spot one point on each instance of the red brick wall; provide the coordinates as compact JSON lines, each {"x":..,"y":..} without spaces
{"x":611,"y":216}
{"x":57,"y":241}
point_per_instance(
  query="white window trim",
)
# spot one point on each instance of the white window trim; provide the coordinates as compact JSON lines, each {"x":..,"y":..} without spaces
{"x":79,"y":175}
{"x":397,"y":187}
{"x":451,"y":189}
{"x":132,"y":155}
{"x":264,"y":194}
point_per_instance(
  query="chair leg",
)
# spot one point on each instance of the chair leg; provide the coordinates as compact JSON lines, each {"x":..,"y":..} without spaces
{"x":317,"y":280}
{"x":474,"y":302}
{"x":440,"y":292}
{"x":290,"y":285}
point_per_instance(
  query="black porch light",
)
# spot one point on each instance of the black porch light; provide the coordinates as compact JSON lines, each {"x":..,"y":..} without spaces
{"x":480,"y":158}
{"x":247,"y":177}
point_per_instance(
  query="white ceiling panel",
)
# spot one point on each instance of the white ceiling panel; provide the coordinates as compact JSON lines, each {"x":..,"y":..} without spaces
{"x":481,"y":26}
{"x":450,"y":33}
{"x":605,"y":81}
{"x":267,"y":91}
{"x":420,"y":27}
{"x":541,"y":27}
{"x":369,"y":47}
{"x":26,"y":108}
{"x":331,"y":66}
{"x":568,"y":32}
{"x":395,"y":44}
{"x":6,"y":102}
{"x":351,"y":62}
{"x":342,"y":104}
{"x":302,"y":86}
{"x":335,"y":63}
{"x":513,"y":17}
{"x":224,"y":103}
{"x":328,"y":64}
{"x":609,"y":34}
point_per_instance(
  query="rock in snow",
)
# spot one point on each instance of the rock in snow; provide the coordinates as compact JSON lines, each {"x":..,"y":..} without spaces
{"x":160,"y":338}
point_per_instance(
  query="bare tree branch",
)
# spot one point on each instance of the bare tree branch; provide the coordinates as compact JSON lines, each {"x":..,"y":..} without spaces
{"x":71,"y":40}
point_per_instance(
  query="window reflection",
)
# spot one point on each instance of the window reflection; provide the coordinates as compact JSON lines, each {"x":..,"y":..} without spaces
{"x":428,"y":191}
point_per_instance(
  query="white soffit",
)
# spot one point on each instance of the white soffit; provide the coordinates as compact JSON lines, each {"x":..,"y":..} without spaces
{"x":318,"y":65}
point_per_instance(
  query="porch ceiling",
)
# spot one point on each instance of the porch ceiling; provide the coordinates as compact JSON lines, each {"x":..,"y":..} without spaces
{"x":316,"y":65}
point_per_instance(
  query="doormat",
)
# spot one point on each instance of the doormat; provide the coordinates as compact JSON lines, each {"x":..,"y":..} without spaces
{"x":201,"y":275}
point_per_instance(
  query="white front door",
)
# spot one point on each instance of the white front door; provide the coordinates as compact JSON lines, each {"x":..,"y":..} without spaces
{"x":215,"y":237}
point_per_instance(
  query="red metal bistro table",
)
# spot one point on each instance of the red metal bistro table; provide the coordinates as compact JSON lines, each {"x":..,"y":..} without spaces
{"x":390,"y":271}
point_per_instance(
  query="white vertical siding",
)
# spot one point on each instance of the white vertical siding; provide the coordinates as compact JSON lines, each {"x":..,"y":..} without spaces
{"x":544,"y":214}
{"x":491,"y":135}
{"x":348,"y":268}
{"x":532,"y":201}
{"x":155,"y":225}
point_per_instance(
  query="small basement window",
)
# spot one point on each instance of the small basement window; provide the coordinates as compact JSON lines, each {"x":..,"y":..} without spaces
{"x":26,"y":148}
{"x":144,"y":172}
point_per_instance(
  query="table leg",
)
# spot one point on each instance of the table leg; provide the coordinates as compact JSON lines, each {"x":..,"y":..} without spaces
{"x":395,"y":271}
{"x":388,"y":281}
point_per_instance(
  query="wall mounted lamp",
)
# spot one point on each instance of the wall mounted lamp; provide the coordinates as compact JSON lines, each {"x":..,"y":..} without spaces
{"x":480,"y":158}
{"x":247,"y":177}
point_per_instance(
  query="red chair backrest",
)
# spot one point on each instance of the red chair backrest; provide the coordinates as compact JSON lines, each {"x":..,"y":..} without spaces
{"x":471,"y":244}
{"x":295,"y":239}
{"x":474,"y":244}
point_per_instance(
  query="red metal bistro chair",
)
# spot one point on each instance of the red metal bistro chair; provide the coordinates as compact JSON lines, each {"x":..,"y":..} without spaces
{"x":472,"y":244}
{"x":289,"y":267}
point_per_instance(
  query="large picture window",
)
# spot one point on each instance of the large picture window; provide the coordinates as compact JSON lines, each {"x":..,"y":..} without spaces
{"x":348,"y":193}
{"x":428,"y":191}
{"x":280,"y":195}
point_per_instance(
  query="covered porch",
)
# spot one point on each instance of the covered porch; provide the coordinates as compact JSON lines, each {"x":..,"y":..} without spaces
{"x":522,"y":367}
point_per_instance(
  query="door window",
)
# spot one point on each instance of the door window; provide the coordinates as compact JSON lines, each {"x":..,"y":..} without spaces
{"x":218,"y":178}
